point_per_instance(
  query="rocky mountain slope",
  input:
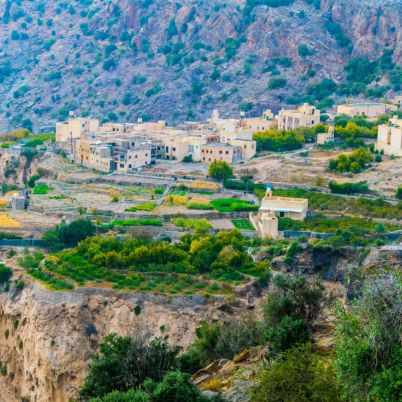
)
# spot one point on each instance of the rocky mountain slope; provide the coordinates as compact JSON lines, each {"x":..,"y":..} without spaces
{"x":179,"y":59}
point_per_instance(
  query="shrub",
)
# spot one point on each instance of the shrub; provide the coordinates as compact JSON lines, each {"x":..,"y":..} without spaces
{"x":5,"y":274}
{"x":348,"y":188}
{"x":176,"y":200}
{"x":300,"y":375}
{"x":123,"y":363}
{"x":199,"y":205}
{"x":41,"y":189}
{"x":220,"y":170}
{"x":276,"y":83}
{"x":355,"y":162}
{"x":220,"y":340}
{"x":399,"y":193}
{"x":291,"y":310}
{"x":69,"y":234}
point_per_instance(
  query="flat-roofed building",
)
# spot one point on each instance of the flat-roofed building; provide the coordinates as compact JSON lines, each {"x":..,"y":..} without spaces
{"x":284,"y":207}
{"x":304,"y":116}
{"x":255,"y":124}
{"x":216,"y":151}
{"x":389,"y":137}
{"x":325,"y":138}
{"x":72,"y":129}
{"x":371,"y":110}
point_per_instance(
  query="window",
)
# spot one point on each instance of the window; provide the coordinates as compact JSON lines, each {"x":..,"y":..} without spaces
{"x":220,"y":152}
{"x":282,"y":214}
{"x":129,"y":166}
{"x":136,"y":156}
{"x":146,"y":154}
{"x":174,"y":149}
{"x":227,"y":152}
{"x":122,"y":165}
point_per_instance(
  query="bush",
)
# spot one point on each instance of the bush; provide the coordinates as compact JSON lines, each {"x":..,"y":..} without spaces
{"x":355,"y":162}
{"x":399,"y":193}
{"x":124,"y":363}
{"x":220,"y":170}
{"x":41,"y":189}
{"x":174,"y":387}
{"x":300,"y":375}
{"x":69,"y":235}
{"x":348,"y":188}
{"x":281,"y":140}
{"x":367,"y":346}
{"x":220,"y":341}
{"x":291,"y":310}
{"x":276,"y":83}
{"x":5,"y":274}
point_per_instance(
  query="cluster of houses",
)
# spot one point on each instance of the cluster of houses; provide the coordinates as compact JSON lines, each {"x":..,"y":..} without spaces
{"x":128,"y":147}
{"x":131,"y":146}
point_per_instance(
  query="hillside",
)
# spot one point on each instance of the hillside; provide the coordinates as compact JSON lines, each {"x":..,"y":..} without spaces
{"x":179,"y":60}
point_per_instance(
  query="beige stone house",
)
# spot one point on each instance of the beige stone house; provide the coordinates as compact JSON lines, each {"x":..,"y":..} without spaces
{"x":304,"y":116}
{"x":389,"y":137}
{"x":371,"y":110}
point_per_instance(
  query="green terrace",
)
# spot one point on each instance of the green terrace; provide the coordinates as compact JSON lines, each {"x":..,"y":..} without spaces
{"x":198,"y":263}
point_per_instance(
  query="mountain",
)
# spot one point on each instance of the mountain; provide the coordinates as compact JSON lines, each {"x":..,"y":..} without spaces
{"x":176,"y":60}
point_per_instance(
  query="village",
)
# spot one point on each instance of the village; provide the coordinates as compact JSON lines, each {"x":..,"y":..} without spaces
{"x":152,"y":179}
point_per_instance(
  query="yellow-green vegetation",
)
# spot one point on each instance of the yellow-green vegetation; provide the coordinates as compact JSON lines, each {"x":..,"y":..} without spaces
{"x":32,"y":264}
{"x":244,"y":224}
{"x":175,"y":200}
{"x":137,"y":222}
{"x":354,"y":163}
{"x":191,"y":223}
{"x":199,"y":263}
{"x":146,"y":206}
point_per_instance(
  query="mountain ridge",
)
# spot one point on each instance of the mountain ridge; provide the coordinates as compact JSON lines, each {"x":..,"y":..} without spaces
{"x":120,"y":60}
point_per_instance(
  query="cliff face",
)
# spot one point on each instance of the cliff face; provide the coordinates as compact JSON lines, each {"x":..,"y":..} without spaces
{"x":164,"y":59}
{"x":47,"y":337}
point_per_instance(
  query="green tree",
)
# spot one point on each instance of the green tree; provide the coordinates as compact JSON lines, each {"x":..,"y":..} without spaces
{"x":399,"y":193}
{"x":220,"y":170}
{"x":5,"y":274}
{"x":174,"y":387}
{"x":291,"y":310}
{"x":299,"y":376}
{"x":124,"y":363}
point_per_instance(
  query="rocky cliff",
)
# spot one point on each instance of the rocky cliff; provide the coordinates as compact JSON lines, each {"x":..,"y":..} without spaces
{"x":47,"y":338}
{"x":120,"y":60}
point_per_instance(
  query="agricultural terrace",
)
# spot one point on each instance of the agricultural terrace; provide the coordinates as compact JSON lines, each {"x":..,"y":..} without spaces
{"x":198,"y":263}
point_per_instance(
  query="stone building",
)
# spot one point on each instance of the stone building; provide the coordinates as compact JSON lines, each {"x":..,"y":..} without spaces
{"x":325,"y":138}
{"x":304,"y":116}
{"x":372,"y":110}
{"x":389,"y":137}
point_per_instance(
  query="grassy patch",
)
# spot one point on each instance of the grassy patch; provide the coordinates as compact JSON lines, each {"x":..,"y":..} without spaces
{"x":41,"y":189}
{"x":189,"y":223}
{"x":147,"y":206}
{"x":244,"y":224}
{"x":233,"y":205}
{"x":137,"y":222}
